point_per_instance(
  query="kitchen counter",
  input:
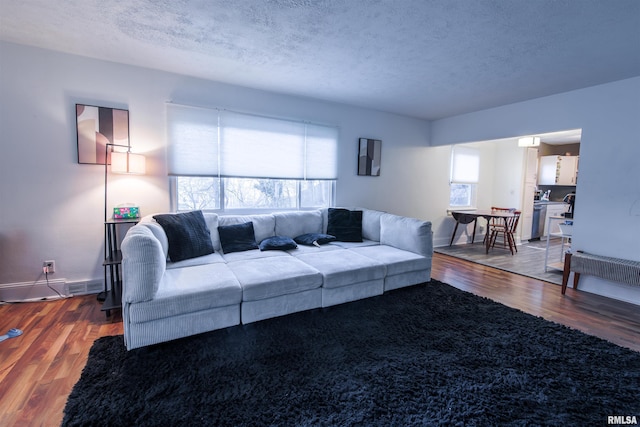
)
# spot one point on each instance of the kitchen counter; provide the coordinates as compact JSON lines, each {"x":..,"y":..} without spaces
{"x":549,"y":202}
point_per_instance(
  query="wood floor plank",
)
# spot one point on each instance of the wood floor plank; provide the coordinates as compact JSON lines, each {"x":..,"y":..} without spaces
{"x":39,"y":368}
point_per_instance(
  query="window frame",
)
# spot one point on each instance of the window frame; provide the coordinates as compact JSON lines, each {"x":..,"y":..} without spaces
{"x":471,"y":182}
{"x":473,"y":197}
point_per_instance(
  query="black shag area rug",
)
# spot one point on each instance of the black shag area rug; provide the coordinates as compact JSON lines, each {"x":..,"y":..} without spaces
{"x":426,"y":355}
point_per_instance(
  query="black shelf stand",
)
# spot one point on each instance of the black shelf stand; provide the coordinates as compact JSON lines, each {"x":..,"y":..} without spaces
{"x":112,"y":295}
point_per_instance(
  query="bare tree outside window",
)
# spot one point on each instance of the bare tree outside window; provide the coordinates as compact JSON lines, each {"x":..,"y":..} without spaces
{"x":195,"y":193}
{"x":251,"y":193}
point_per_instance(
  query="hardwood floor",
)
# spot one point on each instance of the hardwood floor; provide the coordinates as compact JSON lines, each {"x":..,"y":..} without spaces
{"x":529,"y":261}
{"x":39,"y":368}
{"x":612,"y":320}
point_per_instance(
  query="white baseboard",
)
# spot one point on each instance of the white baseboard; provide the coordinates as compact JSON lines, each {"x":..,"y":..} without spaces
{"x":39,"y":291}
{"x":33,"y":291}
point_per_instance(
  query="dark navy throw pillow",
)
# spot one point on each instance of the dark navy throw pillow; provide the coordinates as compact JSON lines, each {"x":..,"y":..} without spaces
{"x":187,"y":233}
{"x":277,"y":243}
{"x":346,"y":225}
{"x":314,"y":239}
{"x":237,"y":237}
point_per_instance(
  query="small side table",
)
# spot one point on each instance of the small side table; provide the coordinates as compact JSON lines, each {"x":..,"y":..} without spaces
{"x":112,"y":262}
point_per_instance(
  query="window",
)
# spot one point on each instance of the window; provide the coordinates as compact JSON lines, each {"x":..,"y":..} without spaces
{"x":465,"y":172}
{"x":224,"y":160}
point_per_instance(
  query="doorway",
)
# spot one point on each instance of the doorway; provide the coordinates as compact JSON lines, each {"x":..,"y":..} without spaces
{"x":511,"y":179}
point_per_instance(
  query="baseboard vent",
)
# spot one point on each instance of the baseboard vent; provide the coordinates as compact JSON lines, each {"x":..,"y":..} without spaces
{"x":33,"y":291}
{"x":85,"y":287}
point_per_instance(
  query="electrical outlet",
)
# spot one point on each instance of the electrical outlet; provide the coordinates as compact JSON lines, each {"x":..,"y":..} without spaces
{"x":49,"y":267}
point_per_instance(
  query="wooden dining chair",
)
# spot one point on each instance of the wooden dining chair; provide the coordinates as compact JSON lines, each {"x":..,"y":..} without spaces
{"x":497,"y":224}
{"x":506,"y":229}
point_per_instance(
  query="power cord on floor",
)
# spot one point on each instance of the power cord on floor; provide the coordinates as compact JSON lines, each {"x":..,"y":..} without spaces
{"x":46,"y":277}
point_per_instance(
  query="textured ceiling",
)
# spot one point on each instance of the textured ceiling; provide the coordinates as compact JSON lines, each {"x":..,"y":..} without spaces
{"x":422,"y":58}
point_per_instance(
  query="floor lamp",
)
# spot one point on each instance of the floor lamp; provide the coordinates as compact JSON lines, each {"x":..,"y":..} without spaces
{"x":121,"y":162}
{"x":124,"y":162}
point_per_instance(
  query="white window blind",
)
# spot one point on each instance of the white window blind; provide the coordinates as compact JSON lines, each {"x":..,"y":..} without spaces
{"x":192,"y":135}
{"x":465,"y":165}
{"x":321,"y":157}
{"x":207,"y":142}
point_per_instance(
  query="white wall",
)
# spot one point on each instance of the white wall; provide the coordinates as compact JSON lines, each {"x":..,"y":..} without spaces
{"x":500,"y":184}
{"x":51,"y":207}
{"x":607,"y":210}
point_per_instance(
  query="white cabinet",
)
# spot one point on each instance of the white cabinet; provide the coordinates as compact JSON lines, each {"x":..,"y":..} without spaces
{"x":567,"y":170}
{"x":530,"y":178}
{"x":558,"y":170}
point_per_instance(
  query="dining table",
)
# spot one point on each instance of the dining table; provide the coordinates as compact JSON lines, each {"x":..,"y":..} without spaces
{"x":468,"y":216}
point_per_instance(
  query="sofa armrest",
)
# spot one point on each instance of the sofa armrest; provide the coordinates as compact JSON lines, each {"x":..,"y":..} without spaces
{"x":143,"y":264}
{"x":406,"y":233}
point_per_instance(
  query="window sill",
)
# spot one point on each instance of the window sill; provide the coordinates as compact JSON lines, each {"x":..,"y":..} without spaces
{"x":465,"y":208}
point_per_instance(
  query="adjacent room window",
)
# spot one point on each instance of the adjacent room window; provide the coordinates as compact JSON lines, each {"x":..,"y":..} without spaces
{"x":225,"y":160}
{"x":465,"y":173}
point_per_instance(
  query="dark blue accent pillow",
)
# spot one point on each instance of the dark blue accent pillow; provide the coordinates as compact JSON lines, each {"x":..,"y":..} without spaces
{"x":316,"y":239}
{"x":346,"y":225}
{"x":187,"y":233}
{"x":277,"y":243}
{"x":237,"y":237}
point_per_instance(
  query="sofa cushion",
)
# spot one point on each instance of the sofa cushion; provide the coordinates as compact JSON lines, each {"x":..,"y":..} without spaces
{"x":158,"y":232}
{"x":344,"y":267}
{"x":187,"y":233}
{"x":371,"y":224}
{"x":274,"y":276}
{"x":277,"y":243}
{"x":397,"y":261}
{"x":237,"y":237}
{"x":143,"y":264}
{"x":345,"y":224}
{"x":293,"y":224}
{"x":406,"y":233}
{"x":263,"y":226}
{"x":255,"y":254}
{"x":314,"y":239}
{"x":205,"y":259}
{"x":304,"y":249}
{"x":349,"y":245}
{"x":189,"y":290}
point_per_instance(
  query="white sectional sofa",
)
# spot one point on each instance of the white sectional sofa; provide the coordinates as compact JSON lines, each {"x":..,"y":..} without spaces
{"x":165,"y":299}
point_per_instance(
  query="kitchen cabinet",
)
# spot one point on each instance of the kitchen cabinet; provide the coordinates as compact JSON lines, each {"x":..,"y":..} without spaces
{"x":558,"y":170}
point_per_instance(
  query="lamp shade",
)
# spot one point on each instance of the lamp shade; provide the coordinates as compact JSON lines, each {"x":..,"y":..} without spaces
{"x":529,"y":141}
{"x":128,"y":162}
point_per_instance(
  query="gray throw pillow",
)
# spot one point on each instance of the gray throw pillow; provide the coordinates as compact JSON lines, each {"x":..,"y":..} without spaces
{"x":187,"y":233}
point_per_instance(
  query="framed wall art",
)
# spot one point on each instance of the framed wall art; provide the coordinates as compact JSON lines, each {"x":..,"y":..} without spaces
{"x":370,"y":151}
{"x":98,"y":126}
